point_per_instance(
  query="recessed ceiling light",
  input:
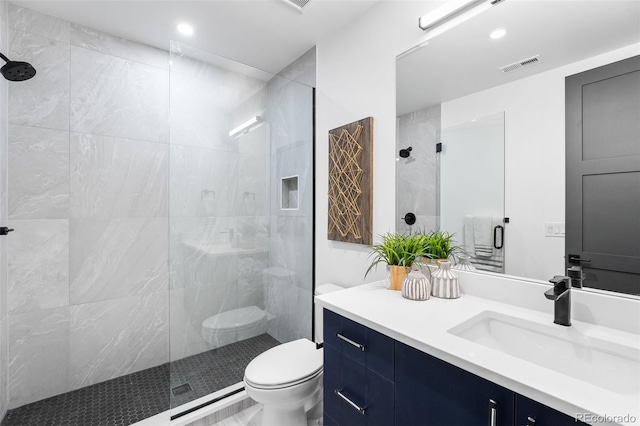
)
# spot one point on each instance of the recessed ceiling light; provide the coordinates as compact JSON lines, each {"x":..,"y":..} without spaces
{"x":498,"y":33}
{"x":185,"y":29}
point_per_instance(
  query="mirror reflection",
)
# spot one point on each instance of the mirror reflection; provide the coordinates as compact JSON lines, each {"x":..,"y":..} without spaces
{"x":463,"y":75}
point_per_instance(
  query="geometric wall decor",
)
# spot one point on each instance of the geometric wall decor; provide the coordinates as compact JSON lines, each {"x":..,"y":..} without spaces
{"x":351,"y":182}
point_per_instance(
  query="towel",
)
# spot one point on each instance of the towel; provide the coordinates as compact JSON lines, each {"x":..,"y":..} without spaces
{"x":482,"y":236}
{"x":494,"y":263}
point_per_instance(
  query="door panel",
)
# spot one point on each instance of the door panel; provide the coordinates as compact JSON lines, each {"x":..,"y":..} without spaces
{"x":603,"y":174}
{"x":620,"y":194}
{"x":608,"y":105}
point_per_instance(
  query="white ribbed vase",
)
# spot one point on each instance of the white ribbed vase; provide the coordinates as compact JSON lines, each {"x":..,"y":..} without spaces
{"x":416,"y":285}
{"x":464,"y":263}
{"x":444,"y":282}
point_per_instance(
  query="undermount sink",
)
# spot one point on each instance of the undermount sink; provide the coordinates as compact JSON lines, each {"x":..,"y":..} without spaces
{"x":609,"y":365}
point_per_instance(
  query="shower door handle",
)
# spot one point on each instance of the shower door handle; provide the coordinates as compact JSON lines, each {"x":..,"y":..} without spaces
{"x":5,"y":230}
{"x":495,"y":237}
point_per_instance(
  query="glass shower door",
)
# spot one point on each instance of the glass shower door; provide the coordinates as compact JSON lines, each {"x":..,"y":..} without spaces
{"x":472,"y":189}
{"x":234,"y":131}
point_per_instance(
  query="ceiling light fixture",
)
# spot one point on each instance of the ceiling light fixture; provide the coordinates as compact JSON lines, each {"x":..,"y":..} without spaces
{"x":245,"y":127}
{"x":185,"y":29}
{"x":453,"y":13}
{"x":498,"y":33}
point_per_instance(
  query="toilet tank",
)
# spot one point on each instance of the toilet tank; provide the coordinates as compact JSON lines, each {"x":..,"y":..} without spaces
{"x":320,"y":290}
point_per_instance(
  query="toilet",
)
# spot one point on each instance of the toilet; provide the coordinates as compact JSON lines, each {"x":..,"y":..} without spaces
{"x":234,"y":325}
{"x":287,"y":379}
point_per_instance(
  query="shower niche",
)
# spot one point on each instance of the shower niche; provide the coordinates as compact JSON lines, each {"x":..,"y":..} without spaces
{"x":289,"y":193}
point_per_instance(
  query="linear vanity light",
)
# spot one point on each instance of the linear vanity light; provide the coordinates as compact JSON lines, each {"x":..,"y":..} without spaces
{"x":452,"y":13}
{"x":246,"y":125}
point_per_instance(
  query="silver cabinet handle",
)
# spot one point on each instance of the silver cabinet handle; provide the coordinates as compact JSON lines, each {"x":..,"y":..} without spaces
{"x":531,"y":421}
{"x":351,"y":342}
{"x":493,"y":412}
{"x":348,"y":401}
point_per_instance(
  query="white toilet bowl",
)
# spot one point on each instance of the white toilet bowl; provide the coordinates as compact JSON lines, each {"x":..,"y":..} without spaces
{"x":287,"y":380}
{"x":233,"y":326}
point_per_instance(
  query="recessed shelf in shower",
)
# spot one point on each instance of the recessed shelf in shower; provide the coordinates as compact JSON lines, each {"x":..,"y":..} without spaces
{"x":289,"y":193}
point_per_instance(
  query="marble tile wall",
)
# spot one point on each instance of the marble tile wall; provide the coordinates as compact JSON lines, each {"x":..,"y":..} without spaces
{"x":289,"y":277}
{"x":123,"y":221}
{"x":4,"y":213}
{"x":218,"y":195}
{"x":417,"y":176}
{"x":88,"y":185}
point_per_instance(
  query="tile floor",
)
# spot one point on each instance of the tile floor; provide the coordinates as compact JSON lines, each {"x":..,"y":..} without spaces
{"x":134,"y":397}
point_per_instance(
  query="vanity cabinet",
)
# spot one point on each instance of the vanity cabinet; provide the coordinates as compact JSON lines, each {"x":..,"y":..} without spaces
{"x":430,"y":391}
{"x":528,"y":409}
{"x":371,"y":379}
{"x":358,"y":374}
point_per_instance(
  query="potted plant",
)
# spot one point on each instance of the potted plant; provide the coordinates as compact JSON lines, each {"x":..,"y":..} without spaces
{"x":399,"y":252}
{"x":439,"y":245}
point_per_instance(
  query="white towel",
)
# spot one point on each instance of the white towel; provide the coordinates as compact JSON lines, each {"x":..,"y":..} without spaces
{"x":495,"y":263}
{"x":483,"y":236}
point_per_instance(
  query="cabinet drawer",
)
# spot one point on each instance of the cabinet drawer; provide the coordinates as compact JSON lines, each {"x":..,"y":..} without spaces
{"x":368,"y":347}
{"x":365,"y":398}
{"x":530,"y":412}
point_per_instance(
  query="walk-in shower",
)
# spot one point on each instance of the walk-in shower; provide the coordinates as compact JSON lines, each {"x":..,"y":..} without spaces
{"x":153,"y":256}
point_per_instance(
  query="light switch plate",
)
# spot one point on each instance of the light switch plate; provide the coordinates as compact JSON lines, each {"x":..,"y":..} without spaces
{"x":554,"y":229}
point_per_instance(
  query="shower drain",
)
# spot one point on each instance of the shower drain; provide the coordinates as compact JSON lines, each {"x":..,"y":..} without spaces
{"x":182,"y":389}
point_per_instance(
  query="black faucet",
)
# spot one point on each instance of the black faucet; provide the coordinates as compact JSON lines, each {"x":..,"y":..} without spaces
{"x":561,"y":294}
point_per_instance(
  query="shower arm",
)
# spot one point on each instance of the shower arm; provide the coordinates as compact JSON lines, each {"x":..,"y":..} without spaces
{"x":4,"y":58}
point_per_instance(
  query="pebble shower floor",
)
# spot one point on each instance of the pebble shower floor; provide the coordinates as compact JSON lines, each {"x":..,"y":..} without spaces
{"x":134,"y":397}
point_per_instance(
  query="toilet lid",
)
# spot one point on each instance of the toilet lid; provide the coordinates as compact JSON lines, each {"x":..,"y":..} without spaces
{"x":285,"y":365}
{"x":235,"y":319}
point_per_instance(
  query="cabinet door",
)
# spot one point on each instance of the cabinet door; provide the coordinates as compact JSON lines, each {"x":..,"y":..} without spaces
{"x":359,"y":385}
{"x":532,"y":413}
{"x":431,"y":392}
{"x":368,"y":347}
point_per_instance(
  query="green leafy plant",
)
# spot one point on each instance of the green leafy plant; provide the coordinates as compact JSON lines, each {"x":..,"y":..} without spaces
{"x":398,"y":249}
{"x":439,"y":245}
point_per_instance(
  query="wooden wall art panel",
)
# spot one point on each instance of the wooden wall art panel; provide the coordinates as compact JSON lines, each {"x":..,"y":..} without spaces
{"x":351,"y":182}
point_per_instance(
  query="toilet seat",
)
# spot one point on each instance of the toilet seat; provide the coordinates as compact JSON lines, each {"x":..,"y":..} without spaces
{"x":285,"y":365}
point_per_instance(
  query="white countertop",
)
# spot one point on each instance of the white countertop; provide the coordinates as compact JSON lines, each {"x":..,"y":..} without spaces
{"x":424,"y":325}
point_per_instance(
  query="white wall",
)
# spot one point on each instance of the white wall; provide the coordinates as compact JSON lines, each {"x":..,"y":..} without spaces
{"x":535,"y":159}
{"x":356,"y":79}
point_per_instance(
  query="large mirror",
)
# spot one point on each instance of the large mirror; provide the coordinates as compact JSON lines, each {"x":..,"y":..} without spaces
{"x":463,"y":77}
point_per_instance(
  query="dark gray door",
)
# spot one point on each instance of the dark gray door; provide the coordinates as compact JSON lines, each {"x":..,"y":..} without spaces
{"x":603,"y":175}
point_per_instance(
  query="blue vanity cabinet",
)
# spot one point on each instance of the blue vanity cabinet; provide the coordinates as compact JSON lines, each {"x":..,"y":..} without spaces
{"x":362,"y":344}
{"x":358,"y":374}
{"x":532,"y":413}
{"x":430,"y":391}
{"x":371,"y":379}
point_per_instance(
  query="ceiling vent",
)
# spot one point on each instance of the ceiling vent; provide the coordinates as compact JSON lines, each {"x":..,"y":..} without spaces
{"x":300,"y":3}
{"x":297,"y":4}
{"x":521,"y":64}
